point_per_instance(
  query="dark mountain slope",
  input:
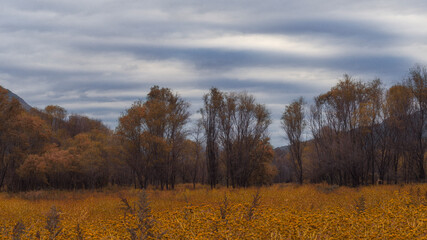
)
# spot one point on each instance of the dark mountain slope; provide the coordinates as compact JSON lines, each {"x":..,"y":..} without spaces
{"x":25,"y":105}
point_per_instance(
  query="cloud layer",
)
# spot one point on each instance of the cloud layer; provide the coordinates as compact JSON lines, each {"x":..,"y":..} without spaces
{"x":97,"y":57}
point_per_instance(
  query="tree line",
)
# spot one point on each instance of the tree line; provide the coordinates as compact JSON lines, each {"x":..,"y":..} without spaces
{"x":361,"y":133}
{"x":356,"y":133}
{"x":154,"y":144}
{"x":229,"y":145}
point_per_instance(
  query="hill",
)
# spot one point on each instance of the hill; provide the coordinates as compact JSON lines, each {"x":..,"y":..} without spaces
{"x":24,"y":104}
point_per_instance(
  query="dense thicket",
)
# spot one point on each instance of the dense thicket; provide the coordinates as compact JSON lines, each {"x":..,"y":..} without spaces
{"x":356,"y":133}
{"x":49,"y":149}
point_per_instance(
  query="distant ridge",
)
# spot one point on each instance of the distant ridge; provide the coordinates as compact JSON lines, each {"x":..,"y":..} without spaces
{"x":282,"y":148}
{"x":25,"y":105}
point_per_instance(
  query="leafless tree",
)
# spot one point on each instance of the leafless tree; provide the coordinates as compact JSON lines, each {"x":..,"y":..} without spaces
{"x":293,"y":123}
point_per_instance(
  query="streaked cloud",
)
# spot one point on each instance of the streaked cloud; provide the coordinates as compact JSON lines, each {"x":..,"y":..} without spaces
{"x":97,"y":57}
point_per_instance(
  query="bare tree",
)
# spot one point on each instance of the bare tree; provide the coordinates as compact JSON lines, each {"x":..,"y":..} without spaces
{"x":210,"y":118}
{"x":194,"y":168}
{"x":336,"y":127}
{"x":252,"y":150}
{"x":370,"y":113}
{"x":227,"y":134}
{"x":397,"y":112}
{"x":417,"y":83}
{"x":293,"y":122}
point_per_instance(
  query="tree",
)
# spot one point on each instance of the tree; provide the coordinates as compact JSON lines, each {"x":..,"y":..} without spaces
{"x":56,"y":116}
{"x":264,"y":171}
{"x":192,"y":165}
{"x":91,"y":152}
{"x":165,"y":118}
{"x":293,"y":123}
{"x":210,"y":118}
{"x":80,"y":124}
{"x":227,"y":134}
{"x":196,"y":155}
{"x":130,"y":130}
{"x":251,"y":144}
{"x":417,"y":83}
{"x":339,"y":133}
{"x":153,"y":134}
{"x":20,"y":134}
{"x":50,"y":169}
{"x":236,"y":139}
{"x":9,"y":112}
{"x":395,"y":137}
{"x":370,"y":112}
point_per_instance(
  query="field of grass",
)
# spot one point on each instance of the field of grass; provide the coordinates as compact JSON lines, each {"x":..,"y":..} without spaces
{"x":276,"y":212}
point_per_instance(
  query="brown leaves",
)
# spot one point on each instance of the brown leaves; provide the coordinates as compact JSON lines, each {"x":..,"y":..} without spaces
{"x":151,"y":133}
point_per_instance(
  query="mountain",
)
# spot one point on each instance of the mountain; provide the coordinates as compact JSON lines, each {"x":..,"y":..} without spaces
{"x":282,"y":148}
{"x":25,"y":105}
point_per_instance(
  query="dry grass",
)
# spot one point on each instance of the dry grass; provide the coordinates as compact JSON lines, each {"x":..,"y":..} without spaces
{"x":277,"y":212}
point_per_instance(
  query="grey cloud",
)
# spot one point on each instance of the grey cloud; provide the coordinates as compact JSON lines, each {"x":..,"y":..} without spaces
{"x":379,"y":65}
{"x":258,"y":85}
{"x":88,"y":52}
{"x":354,"y":31}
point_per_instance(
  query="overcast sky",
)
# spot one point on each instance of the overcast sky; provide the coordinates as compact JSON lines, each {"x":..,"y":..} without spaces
{"x":97,"y":57}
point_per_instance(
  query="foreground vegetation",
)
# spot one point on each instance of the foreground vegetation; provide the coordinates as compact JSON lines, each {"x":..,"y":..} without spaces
{"x":276,"y":212}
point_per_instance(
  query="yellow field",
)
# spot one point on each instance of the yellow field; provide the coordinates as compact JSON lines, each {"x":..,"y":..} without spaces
{"x":282,"y":212}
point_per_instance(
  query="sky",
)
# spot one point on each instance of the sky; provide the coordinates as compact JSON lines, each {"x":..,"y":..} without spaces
{"x":97,"y":57}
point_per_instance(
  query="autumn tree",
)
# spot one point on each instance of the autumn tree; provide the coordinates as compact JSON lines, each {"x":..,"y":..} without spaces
{"x":76,"y":124}
{"x":9,"y":112}
{"x":166,"y":117}
{"x":251,"y":145}
{"x":86,"y":160}
{"x":370,"y":116}
{"x":49,"y":169}
{"x":227,"y":134}
{"x":56,"y":116}
{"x":153,"y":133}
{"x":92,"y":159}
{"x":194,"y":165}
{"x":130,"y":130}
{"x":263,"y":171}
{"x":361,"y":134}
{"x":396,"y":138}
{"x":210,"y":120}
{"x":336,"y":125}
{"x":417,"y":83}
{"x":236,"y":139}
{"x":37,"y":149}
{"x":293,"y":123}
{"x":21,"y":134}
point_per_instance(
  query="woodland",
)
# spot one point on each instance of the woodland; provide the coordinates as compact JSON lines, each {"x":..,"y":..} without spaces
{"x":357,"y":133}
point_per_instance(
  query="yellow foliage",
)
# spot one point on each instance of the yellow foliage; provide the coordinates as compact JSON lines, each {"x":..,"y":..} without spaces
{"x":283,"y":212}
